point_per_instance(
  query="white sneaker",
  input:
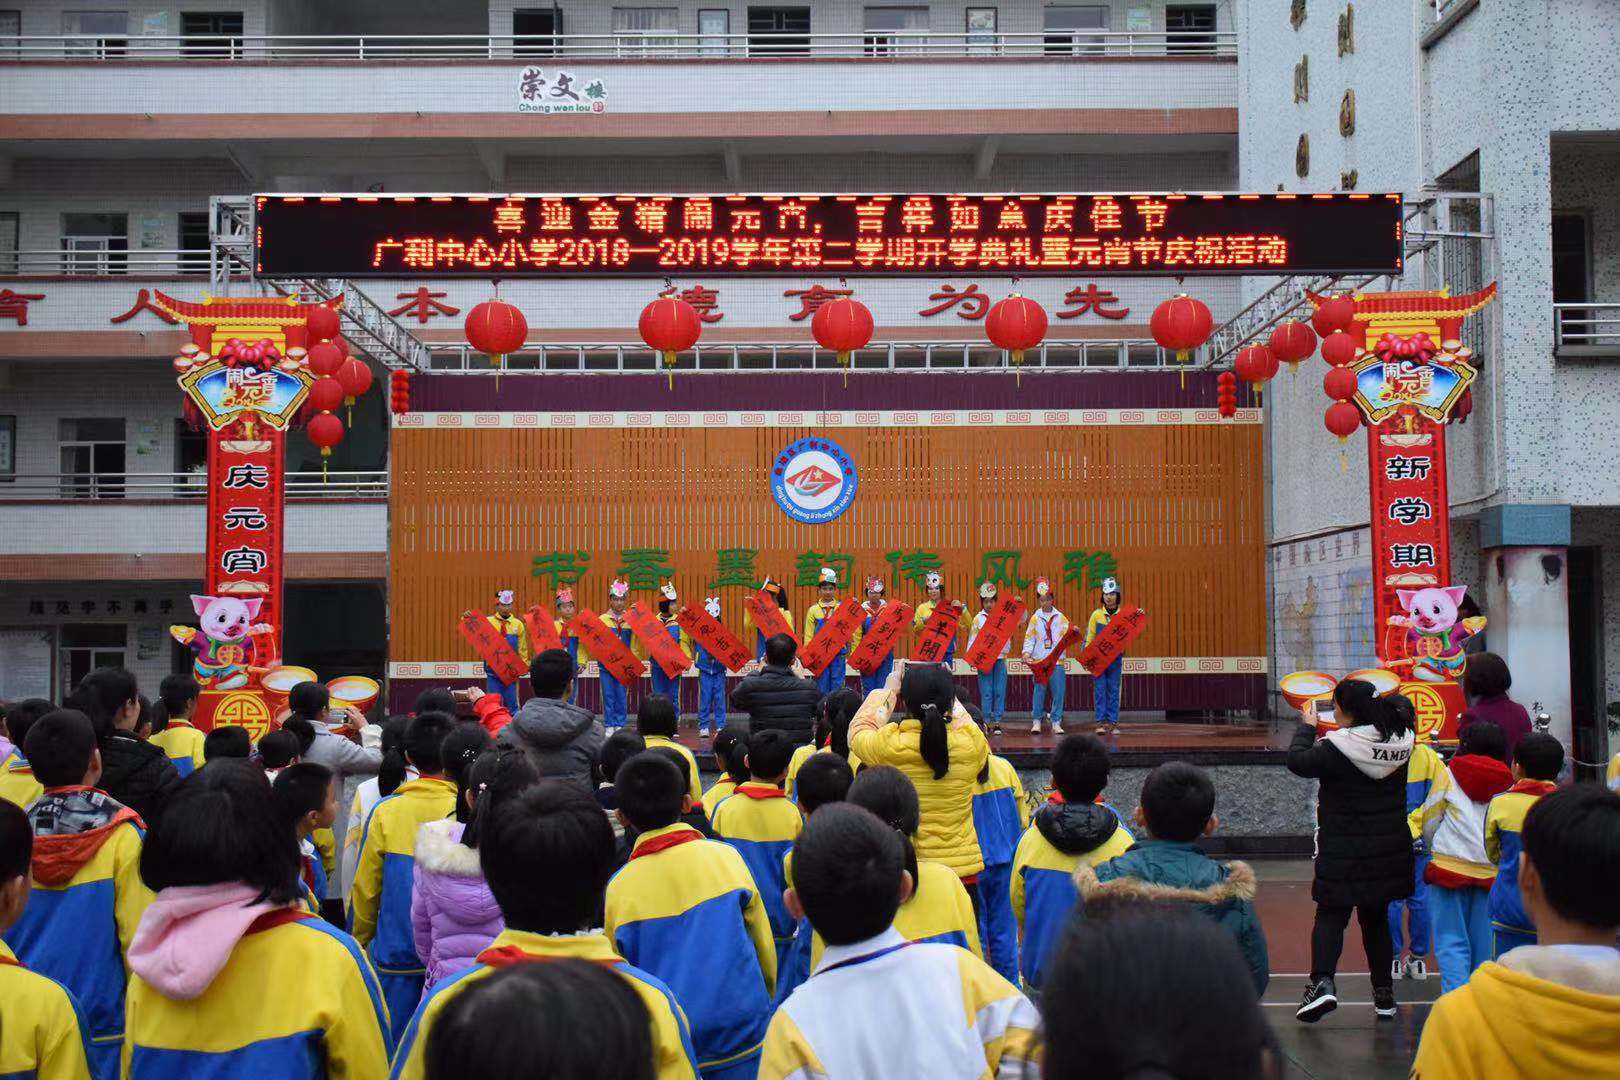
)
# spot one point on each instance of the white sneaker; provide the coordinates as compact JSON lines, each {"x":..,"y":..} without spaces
{"x":1417,"y":968}
{"x":703,"y":732}
{"x":1397,"y":968}
{"x":1057,"y":727}
{"x":1035,"y":728}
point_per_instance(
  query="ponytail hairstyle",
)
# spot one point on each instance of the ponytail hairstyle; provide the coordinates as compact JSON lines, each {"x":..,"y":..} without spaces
{"x":392,"y":772}
{"x":495,"y":775}
{"x":460,"y":749}
{"x":1360,"y":702}
{"x":887,"y":793}
{"x":841,"y":706}
{"x":303,"y":729}
{"x":101,"y":695}
{"x":929,"y":693}
{"x":309,"y":700}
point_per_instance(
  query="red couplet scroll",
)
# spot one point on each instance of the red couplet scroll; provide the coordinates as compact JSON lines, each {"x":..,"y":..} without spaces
{"x":998,"y":629}
{"x":609,"y":651}
{"x":655,"y":635}
{"x":1042,"y":669}
{"x":878,"y":642}
{"x":492,"y":646}
{"x":1112,"y":640}
{"x":768,"y":618}
{"x":542,"y":629}
{"x":830,"y":639}
{"x":713,"y":635}
{"x":937,"y":632}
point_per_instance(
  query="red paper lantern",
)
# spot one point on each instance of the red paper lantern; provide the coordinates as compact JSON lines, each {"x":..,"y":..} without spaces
{"x":1292,"y":342}
{"x":1017,"y":324}
{"x":496,"y":328}
{"x":842,"y":325}
{"x":1339,"y":348}
{"x":326,"y":395}
{"x":670,"y":325}
{"x":1339,"y":383}
{"x":325,"y":431}
{"x":1342,"y":419}
{"x":355,"y":377}
{"x":399,"y":385}
{"x":322,"y":323}
{"x":1255,"y":365}
{"x":1334,"y":313}
{"x":325,"y":359}
{"x":1181,"y":324}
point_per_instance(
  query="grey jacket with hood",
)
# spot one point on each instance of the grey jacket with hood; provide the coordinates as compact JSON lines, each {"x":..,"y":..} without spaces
{"x":562,"y":740}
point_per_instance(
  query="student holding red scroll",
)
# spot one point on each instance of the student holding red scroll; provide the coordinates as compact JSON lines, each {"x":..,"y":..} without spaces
{"x":615,"y":694}
{"x":832,"y":676}
{"x":509,"y":626}
{"x":992,"y":683}
{"x":875,"y":602}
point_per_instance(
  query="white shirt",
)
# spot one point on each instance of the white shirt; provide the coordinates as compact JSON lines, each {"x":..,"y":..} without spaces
{"x":978,"y":624}
{"x":1046,"y":629}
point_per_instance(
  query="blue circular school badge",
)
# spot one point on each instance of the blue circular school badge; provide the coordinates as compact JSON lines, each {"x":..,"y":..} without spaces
{"x":813,"y":480}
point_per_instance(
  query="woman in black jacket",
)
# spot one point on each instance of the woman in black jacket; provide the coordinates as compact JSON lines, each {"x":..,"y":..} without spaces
{"x":133,"y":771}
{"x":1363,"y":842}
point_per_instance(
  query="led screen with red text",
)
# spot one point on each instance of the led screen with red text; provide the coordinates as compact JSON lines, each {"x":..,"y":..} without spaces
{"x":428,"y":236}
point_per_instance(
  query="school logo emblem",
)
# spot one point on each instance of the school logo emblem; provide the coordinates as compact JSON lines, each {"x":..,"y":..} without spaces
{"x":813,"y":480}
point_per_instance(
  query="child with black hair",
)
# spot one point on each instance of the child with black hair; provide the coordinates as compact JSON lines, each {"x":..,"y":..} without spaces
{"x":454,"y":916}
{"x":436,"y":699}
{"x":1178,"y":807}
{"x":172,"y":730}
{"x":18,"y":785}
{"x":133,"y":771}
{"x":1139,"y":993}
{"x":657,"y":720}
{"x":228,"y":741}
{"x":617,"y":749}
{"x":322,"y":729}
{"x":733,"y":766}
{"x":277,"y":750}
{"x":669,"y":686}
{"x":540,"y":1009}
{"x":380,"y":902}
{"x":694,"y":815}
{"x":87,"y":889}
{"x":226,"y":933}
{"x":824,"y":779}
{"x":760,"y":822}
{"x":879,"y":1004}
{"x":307,"y":799}
{"x":1537,"y":762}
{"x":41,"y":1035}
{"x":1551,"y":1009}
{"x":1000,"y":816}
{"x":687,"y":910}
{"x":831,"y":735}
{"x":547,"y":855}
{"x":1073,"y":827}
{"x":1451,"y":823}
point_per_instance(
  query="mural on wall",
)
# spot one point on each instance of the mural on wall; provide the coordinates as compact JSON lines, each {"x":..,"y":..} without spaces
{"x":1324,"y":610}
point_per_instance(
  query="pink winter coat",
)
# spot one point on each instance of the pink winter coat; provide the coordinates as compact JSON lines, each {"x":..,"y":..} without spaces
{"x":453,"y":915}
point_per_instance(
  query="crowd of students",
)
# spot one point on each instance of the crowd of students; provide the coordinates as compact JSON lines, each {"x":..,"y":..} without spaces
{"x":877,"y":901}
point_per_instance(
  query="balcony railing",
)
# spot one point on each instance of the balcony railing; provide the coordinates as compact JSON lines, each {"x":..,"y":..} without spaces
{"x":300,"y":486}
{"x":103,"y":262}
{"x":1092,"y":354}
{"x":637,"y":44}
{"x":1587,"y":329}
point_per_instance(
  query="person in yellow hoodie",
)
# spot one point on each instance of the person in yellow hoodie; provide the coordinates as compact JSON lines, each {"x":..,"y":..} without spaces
{"x":547,"y":853}
{"x":1537,"y":761}
{"x":380,"y":900}
{"x":174,"y":733}
{"x":1550,"y":1009}
{"x":43,"y":1034}
{"x":88,"y":895}
{"x":18,"y":785}
{"x":509,"y":626}
{"x":832,"y":676}
{"x":566,"y":610}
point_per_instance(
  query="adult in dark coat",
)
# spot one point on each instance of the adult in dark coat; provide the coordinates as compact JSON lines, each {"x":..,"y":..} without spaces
{"x":133,"y":771}
{"x":1486,"y":682}
{"x":1363,"y":842}
{"x":777,"y":698}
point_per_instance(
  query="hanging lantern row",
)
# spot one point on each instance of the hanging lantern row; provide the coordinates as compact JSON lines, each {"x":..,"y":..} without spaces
{"x":1181,"y":324}
{"x":843,"y":325}
{"x":340,"y":378}
{"x":399,"y":392}
{"x":670,"y":326}
{"x":1016,"y":324}
{"x":1226,"y":394}
{"x":325,"y":430}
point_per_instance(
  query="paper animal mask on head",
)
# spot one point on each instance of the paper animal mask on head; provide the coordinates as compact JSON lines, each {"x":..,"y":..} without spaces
{"x":505,"y":596}
{"x":565,"y":595}
{"x":934,"y":580}
{"x":620,"y":588}
{"x":987,"y":591}
{"x":1043,"y":587}
{"x":667,"y":590}
{"x":712,"y":606}
{"x":829,"y":576}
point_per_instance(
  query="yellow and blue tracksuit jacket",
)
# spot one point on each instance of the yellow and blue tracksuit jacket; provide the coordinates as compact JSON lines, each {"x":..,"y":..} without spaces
{"x":939,"y":912}
{"x":43,"y":1035}
{"x":1000,"y":814}
{"x":695,"y":785}
{"x":1504,"y":826}
{"x":686,"y":910}
{"x":1421,"y":769}
{"x":297,"y":999}
{"x":889,"y":1007}
{"x":761,"y":823}
{"x":17,"y":783}
{"x":1042,"y":889}
{"x":924,"y":612}
{"x":800,"y":756}
{"x":87,"y":899}
{"x":515,"y":633}
{"x":380,"y":900}
{"x":672,"y":1040}
{"x":720,"y":789}
{"x":312,"y":879}
{"x":184,"y":745}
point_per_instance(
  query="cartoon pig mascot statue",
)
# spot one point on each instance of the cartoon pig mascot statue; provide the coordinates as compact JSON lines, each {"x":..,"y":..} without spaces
{"x":219,"y":647}
{"x":1434,"y":637}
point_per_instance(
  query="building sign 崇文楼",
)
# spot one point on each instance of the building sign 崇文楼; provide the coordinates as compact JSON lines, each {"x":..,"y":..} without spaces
{"x":549,"y":92}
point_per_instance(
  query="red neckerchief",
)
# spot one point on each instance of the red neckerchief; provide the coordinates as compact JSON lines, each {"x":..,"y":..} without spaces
{"x":1535,"y":787}
{"x":279,"y":917}
{"x":760,"y":791}
{"x":12,"y":961}
{"x":665,"y":842}
{"x":307,"y":871}
{"x":507,"y":955}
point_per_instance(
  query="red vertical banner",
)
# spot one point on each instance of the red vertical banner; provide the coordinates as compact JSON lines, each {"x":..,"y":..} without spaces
{"x":829,"y":641}
{"x":245,"y":499}
{"x":768,"y":618}
{"x":999,"y":624}
{"x":613,"y":657}
{"x":1411,"y":520}
{"x":1042,"y":669}
{"x":492,"y":647}
{"x":714,"y":636}
{"x":878,"y":642}
{"x":938,"y":631}
{"x":542,"y":627}
{"x":1112,"y":640}
{"x":655,"y":635}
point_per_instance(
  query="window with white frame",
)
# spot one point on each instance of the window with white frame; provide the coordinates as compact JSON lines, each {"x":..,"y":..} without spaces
{"x":10,"y":32}
{"x":95,"y":243}
{"x":1066,"y":27}
{"x":95,"y":33}
{"x":212,"y":33}
{"x":645,"y":31}
{"x":889,"y":30}
{"x":93,"y":456}
{"x":535,"y":30}
{"x":1190,"y":28}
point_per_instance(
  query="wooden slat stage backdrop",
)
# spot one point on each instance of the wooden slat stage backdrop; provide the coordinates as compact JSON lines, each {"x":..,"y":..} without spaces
{"x":1178,"y":505}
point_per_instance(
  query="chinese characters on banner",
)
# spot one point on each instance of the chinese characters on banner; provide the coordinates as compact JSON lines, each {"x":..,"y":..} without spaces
{"x":660,"y":646}
{"x":1112,"y":640}
{"x":878,"y":642}
{"x":1411,"y":521}
{"x":830,"y":639}
{"x":492,"y":647}
{"x":938,"y":632}
{"x":609,"y":651}
{"x":1042,"y":669}
{"x":542,"y":627}
{"x":244,"y":519}
{"x":999,"y":625}
{"x":767,"y":617}
{"x":713,"y":635}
